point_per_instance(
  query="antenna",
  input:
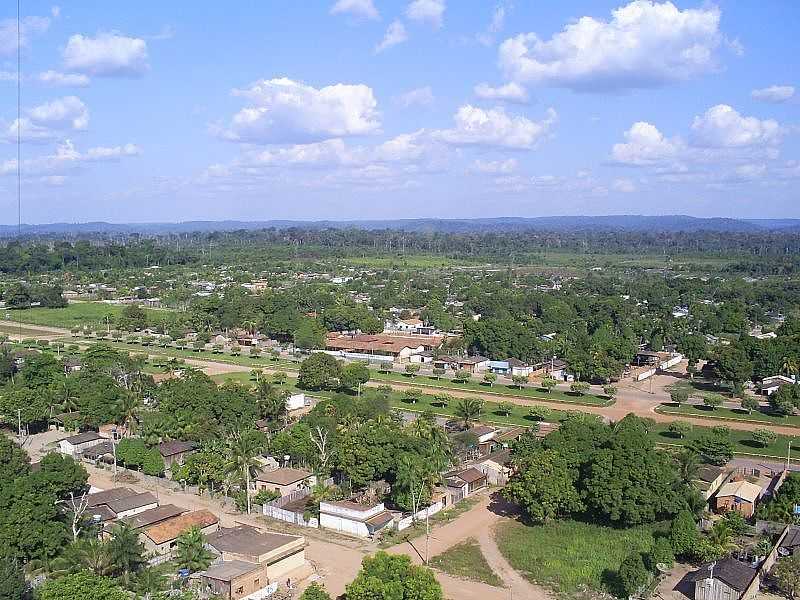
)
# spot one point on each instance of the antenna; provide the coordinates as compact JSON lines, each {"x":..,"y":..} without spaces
{"x":19,"y":120}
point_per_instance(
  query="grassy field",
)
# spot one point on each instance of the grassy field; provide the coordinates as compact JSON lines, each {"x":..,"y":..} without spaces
{"x":21,"y":331}
{"x":701,"y":389}
{"x":736,"y":414}
{"x":568,"y":556}
{"x":742,"y":441}
{"x":495,"y":390}
{"x":465,"y":560}
{"x":73,"y":315}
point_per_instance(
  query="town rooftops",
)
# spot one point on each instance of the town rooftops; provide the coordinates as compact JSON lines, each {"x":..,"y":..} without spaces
{"x":83,"y":438}
{"x":170,"y":529}
{"x":283,"y":476}
{"x":154,"y":515}
{"x":709,"y":473}
{"x":481,"y":430}
{"x":175,"y":447}
{"x":462,"y":360}
{"x":732,"y":572}
{"x":470,"y":475}
{"x":229,"y":570}
{"x":99,"y":450}
{"x":379,"y":342}
{"x":740,"y":489}
{"x":515,"y":362}
{"x":249,"y":541}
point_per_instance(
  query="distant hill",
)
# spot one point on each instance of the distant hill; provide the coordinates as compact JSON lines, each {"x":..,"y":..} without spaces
{"x":643,"y":223}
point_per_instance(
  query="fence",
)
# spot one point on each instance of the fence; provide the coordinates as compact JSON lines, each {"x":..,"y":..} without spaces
{"x":276,"y":508}
{"x":427,"y":512}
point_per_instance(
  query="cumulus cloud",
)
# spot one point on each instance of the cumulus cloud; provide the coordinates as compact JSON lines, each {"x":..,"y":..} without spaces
{"x":59,"y":79}
{"x":581,"y":184}
{"x":49,"y":120}
{"x":395,"y":34}
{"x":510,"y":92}
{"x":773,"y":93}
{"x":29,"y":27}
{"x":495,"y":26}
{"x":106,"y":55}
{"x":358,"y":8}
{"x":644,"y":44}
{"x":495,"y":166}
{"x":68,"y":112}
{"x":428,"y":11}
{"x":645,"y":145}
{"x":284,"y":111}
{"x":417,"y":97}
{"x":723,"y":127}
{"x":496,"y":128}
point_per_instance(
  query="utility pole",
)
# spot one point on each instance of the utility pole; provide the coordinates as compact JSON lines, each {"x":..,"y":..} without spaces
{"x":114,"y":451}
{"x":789,"y":455}
{"x":19,"y":425}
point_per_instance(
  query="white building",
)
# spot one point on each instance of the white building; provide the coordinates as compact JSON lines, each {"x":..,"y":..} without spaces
{"x":297,"y":401}
{"x":74,"y":445}
{"x":354,"y":519}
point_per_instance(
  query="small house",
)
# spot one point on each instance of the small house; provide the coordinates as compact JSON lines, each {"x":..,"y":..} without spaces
{"x":233,"y":579}
{"x":465,"y":482}
{"x":362,"y":520}
{"x":162,"y":537}
{"x":278,"y":553}
{"x":741,"y":496}
{"x":175,"y":452}
{"x":284,"y":480}
{"x":709,"y":479}
{"x":297,"y":401}
{"x":74,"y":445}
{"x":725,"y":579}
{"x":770,"y":385}
{"x":496,"y":467}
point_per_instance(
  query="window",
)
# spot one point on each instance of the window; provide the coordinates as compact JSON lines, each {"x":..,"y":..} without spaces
{"x":240,"y":589}
{"x":257,"y":583}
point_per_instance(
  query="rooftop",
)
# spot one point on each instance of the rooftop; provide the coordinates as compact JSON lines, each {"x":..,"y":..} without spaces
{"x":734,"y":573}
{"x":109,"y":495}
{"x":740,"y":489}
{"x":171,"y":528}
{"x":283,"y":476}
{"x":249,"y":540}
{"x":154,"y":515}
{"x":175,"y":447}
{"x":229,"y":570}
{"x":132,"y":502}
{"x":82,"y":438}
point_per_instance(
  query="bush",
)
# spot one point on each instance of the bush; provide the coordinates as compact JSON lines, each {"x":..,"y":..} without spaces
{"x":632,"y":574}
{"x":264,"y":497}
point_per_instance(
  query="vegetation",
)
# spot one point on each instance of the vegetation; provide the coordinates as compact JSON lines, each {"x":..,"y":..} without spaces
{"x":465,"y":560}
{"x":386,"y":577}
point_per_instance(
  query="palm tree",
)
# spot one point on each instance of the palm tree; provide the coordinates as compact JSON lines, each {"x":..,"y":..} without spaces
{"x":129,"y":409}
{"x":191,"y":552}
{"x":150,"y":581}
{"x":789,"y":366}
{"x":688,"y":464}
{"x":242,"y":460}
{"x":84,"y":555}
{"x":469,"y":409}
{"x":721,"y":536}
{"x":126,"y":552}
{"x":69,"y":400}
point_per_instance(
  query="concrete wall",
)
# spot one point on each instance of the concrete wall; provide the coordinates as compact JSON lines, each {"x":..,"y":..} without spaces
{"x":343,"y":524}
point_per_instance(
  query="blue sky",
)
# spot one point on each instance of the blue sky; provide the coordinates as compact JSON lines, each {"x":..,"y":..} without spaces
{"x":336,"y":109}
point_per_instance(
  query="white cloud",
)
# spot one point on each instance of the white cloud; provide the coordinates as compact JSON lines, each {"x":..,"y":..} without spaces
{"x":722,"y":127}
{"x":106,"y":55}
{"x":417,"y":97}
{"x":285,"y":111}
{"x":30,"y":27}
{"x":68,"y":112}
{"x":495,"y":166}
{"x":8,"y":76}
{"x":358,"y":8}
{"x":46,"y":121}
{"x":773,"y":93}
{"x":329,"y":153}
{"x":58,"y":79}
{"x":496,"y":128}
{"x":510,"y":92}
{"x":645,"y":145}
{"x":429,"y":11}
{"x":66,"y":160}
{"x":395,"y":34}
{"x":645,"y":44}
{"x":624,"y":185}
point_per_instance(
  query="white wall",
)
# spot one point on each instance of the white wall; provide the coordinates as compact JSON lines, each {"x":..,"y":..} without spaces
{"x":344,"y":525}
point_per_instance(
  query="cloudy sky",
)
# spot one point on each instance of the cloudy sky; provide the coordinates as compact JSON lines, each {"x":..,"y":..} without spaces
{"x":335,"y":109}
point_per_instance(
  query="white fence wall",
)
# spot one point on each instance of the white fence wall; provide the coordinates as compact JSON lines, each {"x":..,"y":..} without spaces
{"x":406,"y":522}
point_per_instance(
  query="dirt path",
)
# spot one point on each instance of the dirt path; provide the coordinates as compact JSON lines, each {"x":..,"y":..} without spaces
{"x":479,"y":523}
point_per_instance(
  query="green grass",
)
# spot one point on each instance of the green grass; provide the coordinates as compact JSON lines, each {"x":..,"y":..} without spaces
{"x":20,"y":331}
{"x":568,"y":556}
{"x":735,"y":414}
{"x":743,"y":442}
{"x":73,"y":315}
{"x":702,"y":389}
{"x":465,"y":560}
{"x":498,"y":389}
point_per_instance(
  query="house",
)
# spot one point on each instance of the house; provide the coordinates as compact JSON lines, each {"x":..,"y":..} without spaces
{"x":118,"y":503}
{"x":770,"y":385}
{"x":74,"y":445}
{"x":519,"y":368}
{"x":465,"y":482}
{"x":162,"y":537}
{"x":285,"y":480}
{"x":560,"y":370}
{"x":233,"y":579}
{"x":112,"y":431}
{"x":505,"y":437}
{"x":175,"y":452}
{"x":496,"y":467}
{"x":725,"y":579}
{"x":153,"y":516}
{"x":485,"y":436}
{"x":709,"y":479}
{"x":395,"y":347}
{"x":362,"y":520}
{"x":471,"y":364}
{"x":740,"y":496}
{"x":72,"y":365}
{"x":104,"y":451}
{"x":278,"y":553}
